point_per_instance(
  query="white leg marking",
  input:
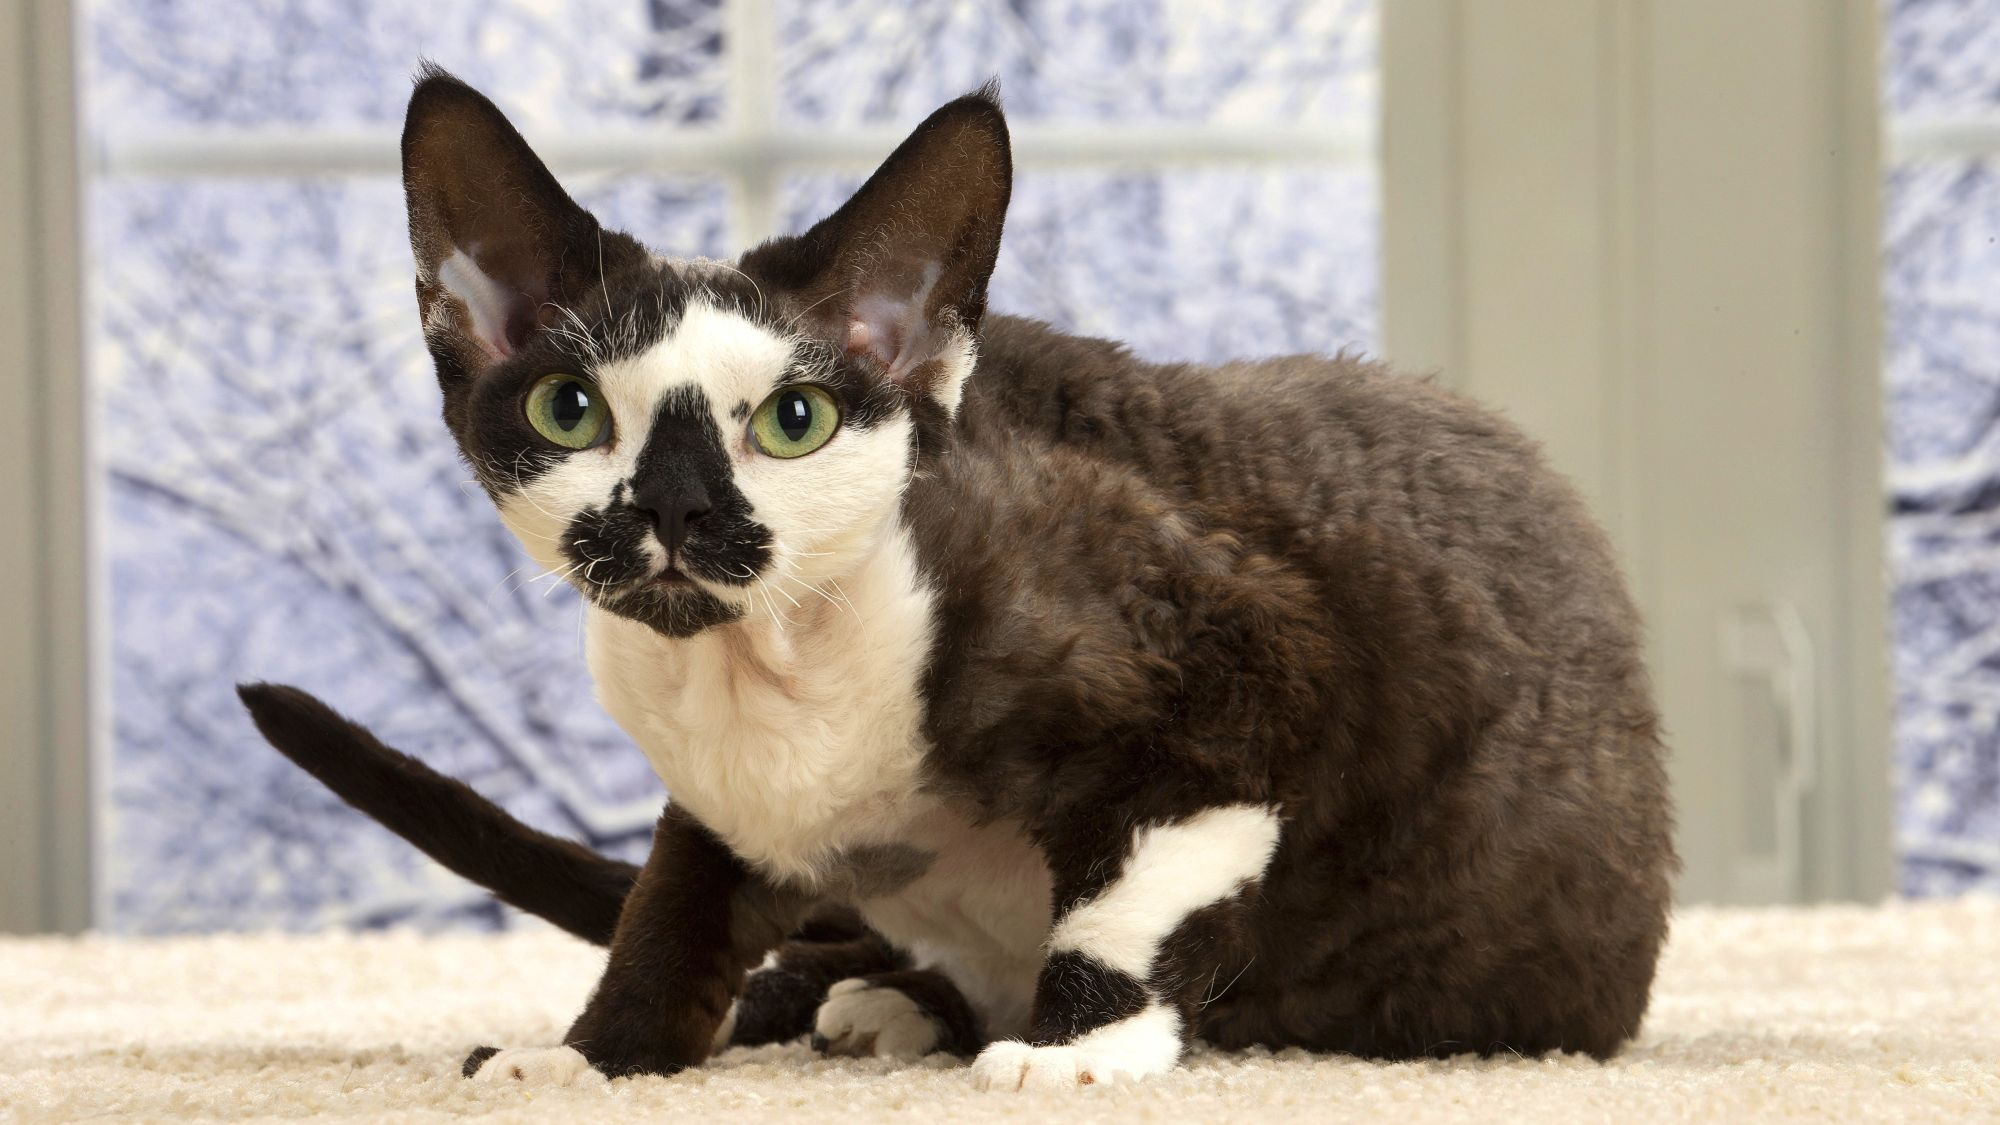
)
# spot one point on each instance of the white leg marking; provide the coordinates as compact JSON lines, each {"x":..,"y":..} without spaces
{"x":539,"y":1066}
{"x":1172,"y":871}
{"x":1143,"y":1045}
{"x":860,"y":1020}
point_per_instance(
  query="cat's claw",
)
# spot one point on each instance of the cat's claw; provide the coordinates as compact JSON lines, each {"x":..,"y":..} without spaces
{"x":532,"y":1066}
{"x":860,"y":1019}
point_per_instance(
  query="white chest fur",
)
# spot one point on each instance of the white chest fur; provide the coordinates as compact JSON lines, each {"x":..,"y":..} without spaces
{"x":795,"y":744}
{"x":788,"y":739}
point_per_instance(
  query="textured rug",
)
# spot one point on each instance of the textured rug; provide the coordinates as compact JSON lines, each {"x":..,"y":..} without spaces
{"x":1759,"y":1015}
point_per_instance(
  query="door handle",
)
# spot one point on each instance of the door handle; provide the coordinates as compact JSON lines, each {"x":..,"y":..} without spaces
{"x":1769,"y":645}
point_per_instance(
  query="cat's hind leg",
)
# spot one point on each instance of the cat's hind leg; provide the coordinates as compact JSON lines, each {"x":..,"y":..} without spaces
{"x":905,"y":1015}
{"x":781,"y":998}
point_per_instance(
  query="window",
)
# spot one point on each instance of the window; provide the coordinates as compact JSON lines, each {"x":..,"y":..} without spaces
{"x":1942,"y":330}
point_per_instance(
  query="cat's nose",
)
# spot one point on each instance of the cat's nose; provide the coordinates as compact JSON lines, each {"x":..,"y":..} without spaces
{"x":673,"y":511}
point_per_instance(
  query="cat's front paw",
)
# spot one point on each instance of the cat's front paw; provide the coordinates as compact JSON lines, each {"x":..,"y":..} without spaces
{"x":860,"y":1019}
{"x":532,"y":1066}
{"x":1144,"y":1045}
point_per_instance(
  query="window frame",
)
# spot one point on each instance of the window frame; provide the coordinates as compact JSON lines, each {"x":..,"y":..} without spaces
{"x":46,"y":649}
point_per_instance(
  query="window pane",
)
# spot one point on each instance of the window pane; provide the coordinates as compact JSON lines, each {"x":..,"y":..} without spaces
{"x":283,"y":504}
{"x":856,"y":61}
{"x":339,"y":63}
{"x":1944,"y":56}
{"x":1205,"y":264}
{"x":1942,"y":293}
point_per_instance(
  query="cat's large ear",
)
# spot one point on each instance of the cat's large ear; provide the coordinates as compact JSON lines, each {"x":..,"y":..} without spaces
{"x":501,"y":249}
{"x":898,"y":274}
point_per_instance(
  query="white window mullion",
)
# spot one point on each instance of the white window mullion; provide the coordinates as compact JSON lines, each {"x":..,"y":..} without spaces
{"x":225,"y":154}
{"x":749,"y":45}
{"x":1917,"y":137}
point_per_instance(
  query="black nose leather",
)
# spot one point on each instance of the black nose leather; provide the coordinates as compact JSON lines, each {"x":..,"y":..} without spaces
{"x":673,"y":511}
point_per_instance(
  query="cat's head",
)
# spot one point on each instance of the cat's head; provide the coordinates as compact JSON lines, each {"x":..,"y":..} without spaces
{"x":689,"y":441}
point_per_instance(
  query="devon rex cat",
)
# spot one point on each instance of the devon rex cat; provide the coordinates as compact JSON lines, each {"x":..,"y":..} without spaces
{"x":1016,"y":697}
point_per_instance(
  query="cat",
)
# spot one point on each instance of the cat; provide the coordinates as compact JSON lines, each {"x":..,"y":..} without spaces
{"x":1015,"y":697}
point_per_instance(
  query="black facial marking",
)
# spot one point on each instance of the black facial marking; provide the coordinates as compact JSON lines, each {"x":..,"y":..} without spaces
{"x":608,"y":547}
{"x":485,"y":410}
{"x":676,"y":611}
{"x":740,"y":411}
{"x":684,"y":474}
{"x":683,"y":497}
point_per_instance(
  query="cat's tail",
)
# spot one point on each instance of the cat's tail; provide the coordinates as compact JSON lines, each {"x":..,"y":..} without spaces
{"x":553,"y":878}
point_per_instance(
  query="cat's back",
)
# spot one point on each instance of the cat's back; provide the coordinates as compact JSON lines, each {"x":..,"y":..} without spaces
{"x":1211,"y":429}
{"x":1300,"y":453}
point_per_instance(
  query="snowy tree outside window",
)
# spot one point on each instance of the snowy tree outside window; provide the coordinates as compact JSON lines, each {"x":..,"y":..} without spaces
{"x":1942,"y":327}
{"x":279,"y":497}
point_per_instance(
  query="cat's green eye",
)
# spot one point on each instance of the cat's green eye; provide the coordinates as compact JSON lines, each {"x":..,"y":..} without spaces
{"x":794,"y":421}
{"x":568,"y":410}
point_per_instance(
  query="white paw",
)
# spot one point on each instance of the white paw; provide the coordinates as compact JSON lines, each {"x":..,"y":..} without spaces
{"x":1146,"y":1044}
{"x":859,"y":1020}
{"x":539,"y":1066}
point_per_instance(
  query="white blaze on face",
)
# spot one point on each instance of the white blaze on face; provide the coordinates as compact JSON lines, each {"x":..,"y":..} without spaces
{"x":825,"y":510}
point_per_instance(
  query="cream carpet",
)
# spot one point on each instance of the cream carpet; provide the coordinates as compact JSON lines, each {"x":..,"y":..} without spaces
{"x":1759,"y":1015}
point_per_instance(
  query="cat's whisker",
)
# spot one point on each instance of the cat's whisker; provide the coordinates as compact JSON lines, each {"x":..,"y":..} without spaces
{"x":525,"y":581}
{"x":763,"y":587}
{"x":845,"y":600}
{"x":558,"y":578}
{"x":603,"y":282}
{"x":536,"y":505}
{"x":1213,"y":997}
{"x":792,"y":324}
{"x":770,"y":608}
{"x":510,"y":574}
{"x":753,"y":285}
{"x":787,"y":597}
{"x":830,"y":599}
{"x":788,"y":572}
